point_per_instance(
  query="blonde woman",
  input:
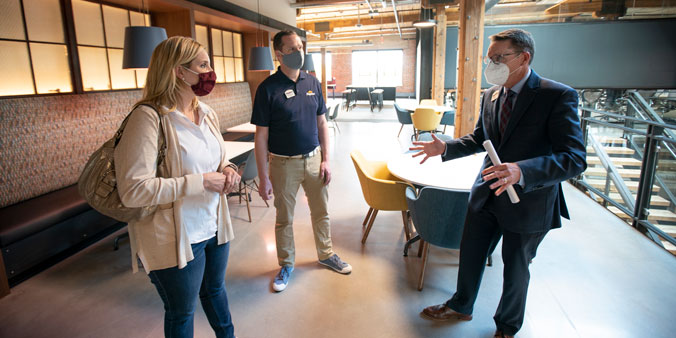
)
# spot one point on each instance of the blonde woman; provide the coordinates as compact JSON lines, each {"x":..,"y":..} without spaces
{"x":184,"y":245}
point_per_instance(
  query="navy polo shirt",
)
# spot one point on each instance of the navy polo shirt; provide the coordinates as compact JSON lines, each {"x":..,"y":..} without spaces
{"x":289,"y":109}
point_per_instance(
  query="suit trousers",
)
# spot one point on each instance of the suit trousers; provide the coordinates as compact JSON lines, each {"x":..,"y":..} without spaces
{"x":481,"y":234}
{"x":286,"y":176}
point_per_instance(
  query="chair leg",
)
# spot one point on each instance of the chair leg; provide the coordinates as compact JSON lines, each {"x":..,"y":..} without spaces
{"x":256,"y":184}
{"x":4,"y":281}
{"x":368,"y":228}
{"x":407,"y":229}
{"x":402,"y":127}
{"x":426,"y":249}
{"x":368,"y":216}
{"x":421,"y":247}
{"x":337,"y":128}
{"x":444,"y":129}
{"x":246,"y":198}
{"x":240,"y":192}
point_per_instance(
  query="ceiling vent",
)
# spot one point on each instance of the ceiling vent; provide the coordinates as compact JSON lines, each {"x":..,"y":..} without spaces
{"x":322,"y":26}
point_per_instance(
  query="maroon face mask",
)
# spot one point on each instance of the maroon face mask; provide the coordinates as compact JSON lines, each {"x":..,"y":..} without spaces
{"x":206,"y":82}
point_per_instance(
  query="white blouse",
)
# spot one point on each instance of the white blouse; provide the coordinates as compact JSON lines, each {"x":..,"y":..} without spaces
{"x":200,"y":154}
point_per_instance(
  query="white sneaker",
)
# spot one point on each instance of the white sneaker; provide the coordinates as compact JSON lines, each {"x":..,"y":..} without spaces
{"x":282,"y":279}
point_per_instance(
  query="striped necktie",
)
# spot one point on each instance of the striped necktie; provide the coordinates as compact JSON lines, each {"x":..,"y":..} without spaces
{"x":506,"y":111}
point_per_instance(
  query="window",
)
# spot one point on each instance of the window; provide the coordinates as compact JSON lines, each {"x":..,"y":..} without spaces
{"x":34,"y":56}
{"x":317,"y":59}
{"x":228,"y":61}
{"x":377,"y":68}
{"x":202,"y":37}
{"x":99,"y":30}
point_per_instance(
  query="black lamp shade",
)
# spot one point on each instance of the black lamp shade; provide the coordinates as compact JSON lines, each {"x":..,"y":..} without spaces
{"x":260,"y":59}
{"x":139,"y":43}
{"x":309,"y":64}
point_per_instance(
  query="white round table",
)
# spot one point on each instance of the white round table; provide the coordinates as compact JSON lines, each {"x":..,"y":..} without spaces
{"x":458,"y":174}
{"x":411,"y":107}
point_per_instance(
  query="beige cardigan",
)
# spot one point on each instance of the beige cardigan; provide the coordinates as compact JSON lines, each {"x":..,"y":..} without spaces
{"x":160,"y":240}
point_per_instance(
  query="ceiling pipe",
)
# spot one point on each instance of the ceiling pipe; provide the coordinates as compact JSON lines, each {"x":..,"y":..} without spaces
{"x":490,"y":4}
{"x":322,"y":3}
{"x":396,"y":17}
{"x":368,"y":4}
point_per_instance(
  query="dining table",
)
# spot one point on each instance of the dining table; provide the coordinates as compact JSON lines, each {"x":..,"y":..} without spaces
{"x":458,"y":174}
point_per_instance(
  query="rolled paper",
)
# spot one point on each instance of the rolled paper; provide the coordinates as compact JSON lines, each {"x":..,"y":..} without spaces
{"x":493,"y":155}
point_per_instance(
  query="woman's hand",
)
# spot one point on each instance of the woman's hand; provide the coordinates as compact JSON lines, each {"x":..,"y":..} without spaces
{"x":232,"y":179}
{"x":214,"y":181}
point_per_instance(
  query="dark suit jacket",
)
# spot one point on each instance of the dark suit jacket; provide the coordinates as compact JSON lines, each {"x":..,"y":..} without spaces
{"x":544,"y":138}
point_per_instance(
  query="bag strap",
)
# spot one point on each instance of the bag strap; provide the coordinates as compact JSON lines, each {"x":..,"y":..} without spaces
{"x":161,"y":140}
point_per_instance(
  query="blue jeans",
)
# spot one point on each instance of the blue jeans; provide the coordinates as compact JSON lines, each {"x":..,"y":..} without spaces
{"x":203,"y":276}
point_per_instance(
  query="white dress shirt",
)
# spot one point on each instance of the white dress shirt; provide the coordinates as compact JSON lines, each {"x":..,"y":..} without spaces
{"x":200,"y":154}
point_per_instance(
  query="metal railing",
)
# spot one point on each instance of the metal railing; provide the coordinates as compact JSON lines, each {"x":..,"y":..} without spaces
{"x":656,"y":136}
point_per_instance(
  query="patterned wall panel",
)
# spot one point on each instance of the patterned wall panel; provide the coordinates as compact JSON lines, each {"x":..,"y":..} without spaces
{"x":46,"y":140}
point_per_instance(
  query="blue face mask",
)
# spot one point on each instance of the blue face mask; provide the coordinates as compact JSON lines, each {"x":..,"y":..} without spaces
{"x":294,"y":60}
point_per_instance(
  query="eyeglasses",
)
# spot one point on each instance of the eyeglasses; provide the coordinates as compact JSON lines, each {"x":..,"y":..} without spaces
{"x":498,"y":59}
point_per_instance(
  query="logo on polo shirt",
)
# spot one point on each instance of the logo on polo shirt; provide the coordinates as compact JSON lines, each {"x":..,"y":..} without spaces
{"x":310,"y":93}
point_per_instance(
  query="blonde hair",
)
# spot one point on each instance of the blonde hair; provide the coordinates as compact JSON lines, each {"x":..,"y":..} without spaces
{"x":162,"y":85}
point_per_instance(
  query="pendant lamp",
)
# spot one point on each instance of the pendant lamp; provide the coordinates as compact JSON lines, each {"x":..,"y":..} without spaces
{"x":309,"y":64}
{"x":260,"y":58}
{"x":139,"y":43}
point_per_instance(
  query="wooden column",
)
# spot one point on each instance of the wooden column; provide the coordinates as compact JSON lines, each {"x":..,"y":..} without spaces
{"x":323,"y":79}
{"x":176,"y":23}
{"x":4,"y":284}
{"x":470,"y":44}
{"x":439,"y":56}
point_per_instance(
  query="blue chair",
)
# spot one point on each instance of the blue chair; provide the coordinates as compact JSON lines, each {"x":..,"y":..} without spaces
{"x":428,"y":137}
{"x":439,"y":217}
{"x":404,"y":117}
{"x":448,"y":119}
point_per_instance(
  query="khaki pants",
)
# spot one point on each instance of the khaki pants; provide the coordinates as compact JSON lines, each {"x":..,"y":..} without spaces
{"x":286,"y":175}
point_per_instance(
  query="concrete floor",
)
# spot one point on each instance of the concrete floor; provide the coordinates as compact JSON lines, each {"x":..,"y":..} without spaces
{"x":595,"y":277}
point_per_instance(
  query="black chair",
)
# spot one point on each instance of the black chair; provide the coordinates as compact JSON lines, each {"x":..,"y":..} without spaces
{"x":376,"y":99}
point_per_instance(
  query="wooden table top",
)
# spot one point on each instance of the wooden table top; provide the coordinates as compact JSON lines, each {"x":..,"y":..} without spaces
{"x":242,"y":128}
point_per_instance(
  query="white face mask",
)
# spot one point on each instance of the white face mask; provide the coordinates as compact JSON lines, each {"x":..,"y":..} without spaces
{"x":497,"y":74}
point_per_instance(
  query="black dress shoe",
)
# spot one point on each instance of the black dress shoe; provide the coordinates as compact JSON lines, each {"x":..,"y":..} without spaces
{"x":500,"y":334}
{"x":443,"y":312}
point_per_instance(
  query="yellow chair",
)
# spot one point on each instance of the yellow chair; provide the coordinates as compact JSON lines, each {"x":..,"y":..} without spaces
{"x":428,"y":102}
{"x":382,"y":191}
{"x":425,"y":119}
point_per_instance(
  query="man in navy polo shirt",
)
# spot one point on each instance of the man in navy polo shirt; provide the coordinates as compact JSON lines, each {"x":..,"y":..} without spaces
{"x":292,"y":133}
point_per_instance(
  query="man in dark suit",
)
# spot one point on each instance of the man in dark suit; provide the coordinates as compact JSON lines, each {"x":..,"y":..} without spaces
{"x":534,"y":126}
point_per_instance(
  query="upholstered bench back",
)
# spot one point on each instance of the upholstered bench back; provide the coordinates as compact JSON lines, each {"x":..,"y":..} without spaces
{"x":46,"y":140}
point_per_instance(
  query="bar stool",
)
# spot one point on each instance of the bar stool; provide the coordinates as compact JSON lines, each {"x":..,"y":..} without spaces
{"x":377,"y":99}
{"x":349,"y":98}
